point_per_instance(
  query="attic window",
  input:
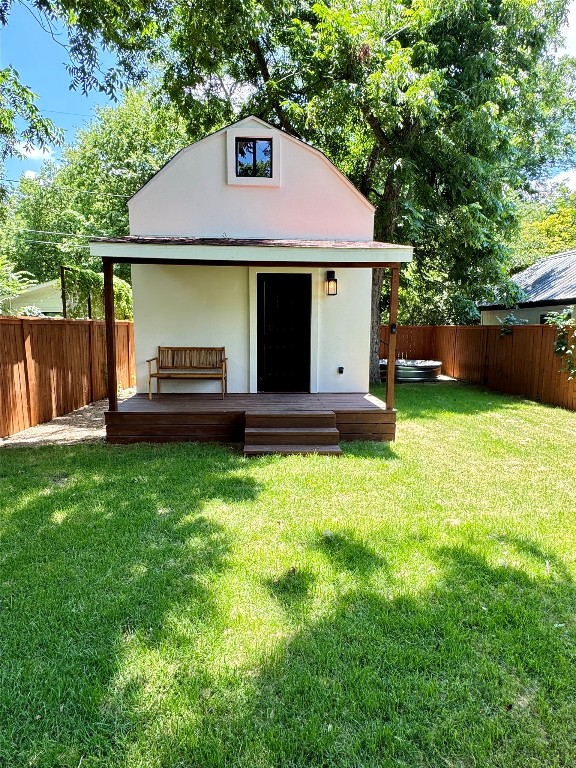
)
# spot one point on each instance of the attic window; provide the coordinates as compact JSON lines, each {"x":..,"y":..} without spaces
{"x":254,"y":158}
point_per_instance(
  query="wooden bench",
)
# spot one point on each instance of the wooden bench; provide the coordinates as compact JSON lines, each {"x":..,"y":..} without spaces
{"x":188,"y":363}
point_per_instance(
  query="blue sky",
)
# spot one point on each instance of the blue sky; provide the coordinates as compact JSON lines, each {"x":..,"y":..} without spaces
{"x":41,"y":62}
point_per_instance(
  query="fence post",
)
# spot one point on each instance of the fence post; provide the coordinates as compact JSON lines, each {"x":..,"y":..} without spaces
{"x":90,"y":355}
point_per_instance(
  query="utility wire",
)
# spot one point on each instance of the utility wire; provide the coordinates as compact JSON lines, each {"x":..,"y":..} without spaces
{"x":53,"y":242}
{"x":50,"y":232}
{"x":74,"y":189}
{"x":72,"y":114}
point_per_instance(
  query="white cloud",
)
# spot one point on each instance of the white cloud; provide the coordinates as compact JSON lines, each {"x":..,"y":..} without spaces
{"x":30,"y":174}
{"x":34,"y":153}
{"x":570,"y":31}
{"x":565,"y":177}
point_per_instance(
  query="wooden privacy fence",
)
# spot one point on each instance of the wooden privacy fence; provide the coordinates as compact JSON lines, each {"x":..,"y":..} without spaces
{"x":51,"y":367}
{"x":519,"y":363}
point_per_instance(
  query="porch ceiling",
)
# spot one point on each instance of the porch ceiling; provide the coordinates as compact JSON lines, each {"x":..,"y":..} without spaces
{"x":249,"y":252}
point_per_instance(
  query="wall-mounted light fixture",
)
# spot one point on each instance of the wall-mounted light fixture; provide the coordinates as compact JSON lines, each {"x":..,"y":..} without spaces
{"x":331,"y":283}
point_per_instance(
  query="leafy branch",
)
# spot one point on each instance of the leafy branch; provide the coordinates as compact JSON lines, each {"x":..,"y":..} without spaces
{"x":12,"y":282}
{"x":565,"y":343}
{"x":84,"y":283}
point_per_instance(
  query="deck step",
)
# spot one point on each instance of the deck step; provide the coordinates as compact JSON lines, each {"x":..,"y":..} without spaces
{"x":290,"y":418}
{"x":291,"y":431}
{"x":263,"y":450}
{"x":291,"y":436}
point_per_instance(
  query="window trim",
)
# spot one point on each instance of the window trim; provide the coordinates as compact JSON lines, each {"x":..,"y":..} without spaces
{"x":252,"y":132}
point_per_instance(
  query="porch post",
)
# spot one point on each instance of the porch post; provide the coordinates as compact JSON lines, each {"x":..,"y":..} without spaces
{"x":391,"y":367}
{"x":108,"y":267}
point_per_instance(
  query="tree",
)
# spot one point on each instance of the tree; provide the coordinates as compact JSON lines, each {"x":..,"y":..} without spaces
{"x":436,"y":109}
{"x":84,"y":285}
{"x":17,"y":106}
{"x":12,"y":282}
{"x":547,"y":225}
{"x":89,"y":25}
{"x":53,"y":215}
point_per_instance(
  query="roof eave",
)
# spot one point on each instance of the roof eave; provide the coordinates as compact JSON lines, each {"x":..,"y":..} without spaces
{"x":528,"y":304}
{"x":242,"y":255}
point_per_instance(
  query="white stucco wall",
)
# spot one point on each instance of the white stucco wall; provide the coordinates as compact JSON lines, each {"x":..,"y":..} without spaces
{"x":191,"y":195}
{"x":192,"y":307}
{"x":531,"y":314}
{"x":344,"y":332}
{"x":216,"y":306}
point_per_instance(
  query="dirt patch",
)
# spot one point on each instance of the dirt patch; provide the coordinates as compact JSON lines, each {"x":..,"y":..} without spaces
{"x":86,"y":425}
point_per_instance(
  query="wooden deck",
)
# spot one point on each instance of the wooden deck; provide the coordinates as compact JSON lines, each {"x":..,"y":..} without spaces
{"x":207,"y":418}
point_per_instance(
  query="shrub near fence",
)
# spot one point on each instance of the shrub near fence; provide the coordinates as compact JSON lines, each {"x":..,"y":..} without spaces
{"x":51,"y":367}
{"x":519,"y":363}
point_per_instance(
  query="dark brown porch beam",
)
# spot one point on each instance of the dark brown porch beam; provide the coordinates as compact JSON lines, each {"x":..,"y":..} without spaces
{"x":249,"y":263}
{"x":393,"y":323}
{"x":110,"y":324}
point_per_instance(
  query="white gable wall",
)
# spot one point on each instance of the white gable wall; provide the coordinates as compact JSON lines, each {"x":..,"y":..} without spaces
{"x":190,"y":196}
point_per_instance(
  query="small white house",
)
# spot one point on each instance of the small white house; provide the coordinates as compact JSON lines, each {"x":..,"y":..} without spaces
{"x":232,"y":243}
{"x":47,"y":297}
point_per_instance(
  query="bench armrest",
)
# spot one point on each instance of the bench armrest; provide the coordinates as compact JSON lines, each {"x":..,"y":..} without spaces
{"x":150,"y":361}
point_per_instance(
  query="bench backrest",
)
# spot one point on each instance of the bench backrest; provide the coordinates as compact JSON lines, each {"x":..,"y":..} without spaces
{"x":191,"y":357}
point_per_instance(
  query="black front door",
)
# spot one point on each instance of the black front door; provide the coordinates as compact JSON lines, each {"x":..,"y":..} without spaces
{"x":284,"y":309}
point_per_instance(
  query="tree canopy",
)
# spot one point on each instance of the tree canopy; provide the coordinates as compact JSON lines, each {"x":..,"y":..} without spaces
{"x":53,"y":215}
{"x":547,"y":225}
{"x":12,"y":282}
{"x":436,"y":109}
{"x":127,"y":28}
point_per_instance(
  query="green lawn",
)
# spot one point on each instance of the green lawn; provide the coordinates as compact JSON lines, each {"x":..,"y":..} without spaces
{"x":403,"y":605}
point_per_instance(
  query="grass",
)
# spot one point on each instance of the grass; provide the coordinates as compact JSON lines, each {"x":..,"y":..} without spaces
{"x":403,"y":605}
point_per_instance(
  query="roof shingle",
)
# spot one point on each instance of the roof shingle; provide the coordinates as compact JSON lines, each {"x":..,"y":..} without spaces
{"x":552,"y":279}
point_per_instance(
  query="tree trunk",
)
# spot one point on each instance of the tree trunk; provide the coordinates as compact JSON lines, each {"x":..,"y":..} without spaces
{"x":377,"y":282}
{"x":384,"y":229}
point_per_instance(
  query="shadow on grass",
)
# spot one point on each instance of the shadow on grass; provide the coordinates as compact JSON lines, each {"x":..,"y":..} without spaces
{"x":348,"y":554}
{"x":431,"y":399}
{"x":110,"y":597}
{"x":97,"y":551}
{"x":478,"y":670}
{"x":292,"y":590}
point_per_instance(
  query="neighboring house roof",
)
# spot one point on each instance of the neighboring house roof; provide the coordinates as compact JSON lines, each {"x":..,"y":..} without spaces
{"x":549,"y":281}
{"x":40,"y":288}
